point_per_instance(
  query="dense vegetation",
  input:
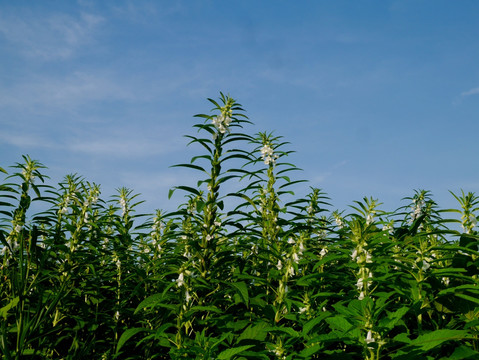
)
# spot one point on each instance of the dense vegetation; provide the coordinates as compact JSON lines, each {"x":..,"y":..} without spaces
{"x":251,"y":274}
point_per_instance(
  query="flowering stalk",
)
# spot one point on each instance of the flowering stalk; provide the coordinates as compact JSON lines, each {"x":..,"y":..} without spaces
{"x":360,"y":235}
{"x":268,"y":198}
{"x":470,"y":205}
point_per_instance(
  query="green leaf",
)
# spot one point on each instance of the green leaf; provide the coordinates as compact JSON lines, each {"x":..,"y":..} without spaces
{"x":221,"y":339}
{"x":242,"y":290}
{"x":467,"y":297}
{"x":256,"y":332}
{"x":187,"y":189}
{"x":313,"y":322}
{"x":402,"y":337}
{"x":287,"y":330}
{"x":4,"y":310}
{"x":127,"y":334}
{"x":463,"y":352}
{"x":149,"y":302}
{"x":308,"y":352}
{"x":191,"y":166}
{"x":434,"y":338}
{"x":229,"y":353}
{"x":3,"y":240}
{"x":393,"y":318}
{"x":339,"y":323}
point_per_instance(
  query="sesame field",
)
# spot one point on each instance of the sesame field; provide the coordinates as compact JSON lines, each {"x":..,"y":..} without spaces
{"x":243,"y":269}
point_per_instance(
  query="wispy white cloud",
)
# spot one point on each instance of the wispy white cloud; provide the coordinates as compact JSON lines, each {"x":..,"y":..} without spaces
{"x":123,"y":145}
{"x":68,"y":91}
{"x":26,"y":140}
{"x":53,"y":37}
{"x":472,"y":91}
{"x":127,"y":143}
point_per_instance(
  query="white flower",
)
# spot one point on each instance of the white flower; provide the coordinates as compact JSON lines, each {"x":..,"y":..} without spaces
{"x":181,"y":280}
{"x":290,"y":270}
{"x":291,"y":241}
{"x":295,"y":258}
{"x":267,"y":154}
{"x":123,"y":206}
{"x":279,"y":265}
{"x":360,"y":284}
{"x":266,"y":150}
{"x":187,"y":296}
{"x":18,"y":228}
{"x":389,"y":228}
{"x":217,"y":121}
{"x":323,"y":252}
{"x":303,"y":309}
{"x":301,"y":248}
{"x":221,"y":122}
{"x":369,"y":337}
{"x":117,"y":315}
{"x":472,"y":220}
{"x":339,"y":222}
{"x":369,"y":219}
{"x":361,"y":295}
{"x":354,"y":255}
{"x":425,"y":265}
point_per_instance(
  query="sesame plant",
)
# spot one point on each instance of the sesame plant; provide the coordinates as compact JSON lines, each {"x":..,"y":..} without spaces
{"x":242,"y":269}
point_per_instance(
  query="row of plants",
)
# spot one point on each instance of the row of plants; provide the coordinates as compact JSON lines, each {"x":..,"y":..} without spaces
{"x":242,"y":270}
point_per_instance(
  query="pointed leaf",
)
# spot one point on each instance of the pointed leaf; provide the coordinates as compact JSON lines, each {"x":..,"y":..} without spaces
{"x":149,"y":302}
{"x":242,"y":289}
{"x":4,"y":310}
{"x":192,"y":166}
{"x":434,"y":338}
{"x":126,"y":336}
{"x":229,"y":353}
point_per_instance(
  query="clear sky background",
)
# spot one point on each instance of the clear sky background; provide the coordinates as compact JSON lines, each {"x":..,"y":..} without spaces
{"x":377,"y":98}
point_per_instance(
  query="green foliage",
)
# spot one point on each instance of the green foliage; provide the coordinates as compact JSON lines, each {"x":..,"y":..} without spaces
{"x":241,"y":270}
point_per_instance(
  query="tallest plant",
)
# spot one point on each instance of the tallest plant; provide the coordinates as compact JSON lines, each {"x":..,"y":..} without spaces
{"x":203,"y":239}
{"x":209,"y":222}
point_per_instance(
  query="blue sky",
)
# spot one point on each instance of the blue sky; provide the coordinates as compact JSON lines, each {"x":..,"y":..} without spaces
{"x":377,"y":98}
